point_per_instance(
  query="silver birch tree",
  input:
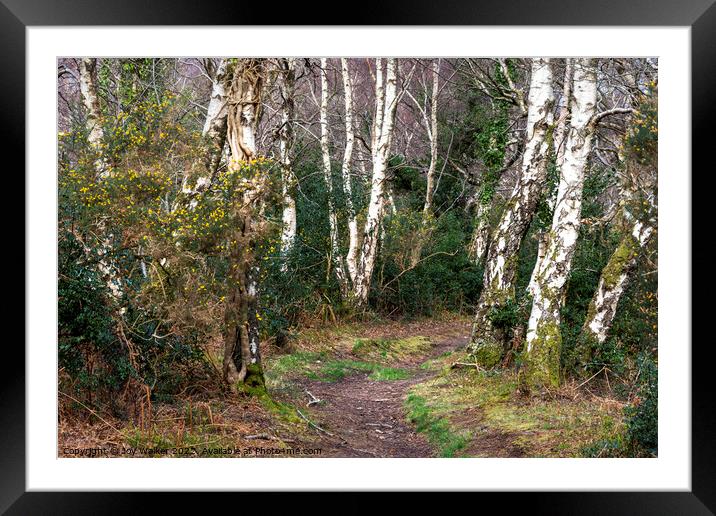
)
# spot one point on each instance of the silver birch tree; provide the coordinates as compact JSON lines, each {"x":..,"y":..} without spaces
{"x":544,"y":338}
{"x":286,"y":85}
{"x":386,"y":101}
{"x":336,"y":256}
{"x":352,"y":256}
{"x":486,"y":341}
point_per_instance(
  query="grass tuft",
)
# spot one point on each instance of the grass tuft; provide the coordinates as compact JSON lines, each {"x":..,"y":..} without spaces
{"x":436,"y":428}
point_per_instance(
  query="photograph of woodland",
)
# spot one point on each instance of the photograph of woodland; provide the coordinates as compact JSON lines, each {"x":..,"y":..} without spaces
{"x":357,"y":257}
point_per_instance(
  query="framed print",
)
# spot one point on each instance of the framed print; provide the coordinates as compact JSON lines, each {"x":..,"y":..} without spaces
{"x":421,"y":255}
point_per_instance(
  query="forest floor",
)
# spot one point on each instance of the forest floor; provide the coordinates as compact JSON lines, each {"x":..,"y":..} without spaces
{"x":375,"y":389}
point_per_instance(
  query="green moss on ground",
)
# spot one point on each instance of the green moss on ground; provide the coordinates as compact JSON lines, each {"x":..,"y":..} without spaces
{"x":390,"y":350}
{"x":473,"y":403}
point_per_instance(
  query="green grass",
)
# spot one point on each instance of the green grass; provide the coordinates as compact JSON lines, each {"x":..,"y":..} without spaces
{"x":551,"y":427}
{"x":437,"y":429}
{"x":385,"y":350}
{"x":317,"y":367}
{"x":335,"y":370}
{"x":389,"y":373}
{"x":294,"y":362}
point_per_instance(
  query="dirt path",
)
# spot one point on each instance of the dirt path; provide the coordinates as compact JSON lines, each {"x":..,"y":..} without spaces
{"x":366,"y":417}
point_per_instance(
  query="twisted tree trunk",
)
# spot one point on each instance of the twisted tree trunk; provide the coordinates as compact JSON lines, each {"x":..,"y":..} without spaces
{"x":242,"y":357}
{"x":487,"y":339}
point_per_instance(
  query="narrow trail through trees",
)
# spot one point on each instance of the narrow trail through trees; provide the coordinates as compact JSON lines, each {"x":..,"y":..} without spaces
{"x":361,"y":417}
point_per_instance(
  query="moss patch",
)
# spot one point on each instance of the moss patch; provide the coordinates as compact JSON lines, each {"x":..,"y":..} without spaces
{"x":542,"y":362}
{"x":487,"y":353}
{"x":390,"y":350}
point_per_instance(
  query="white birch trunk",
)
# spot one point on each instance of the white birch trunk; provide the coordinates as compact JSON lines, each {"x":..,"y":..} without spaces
{"x":432,"y":130}
{"x":486,"y":341}
{"x":431,"y":127}
{"x":285,"y":136}
{"x":613,"y":282}
{"x":559,"y":145}
{"x":386,"y":103}
{"x":93,"y":121}
{"x":543,"y":331}
{"x":336,"y":256}
{"x":352,"y":256}
{"x":216,"y":112}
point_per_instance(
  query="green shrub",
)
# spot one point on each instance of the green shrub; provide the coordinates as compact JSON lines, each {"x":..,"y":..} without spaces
{"x":643,"y":416}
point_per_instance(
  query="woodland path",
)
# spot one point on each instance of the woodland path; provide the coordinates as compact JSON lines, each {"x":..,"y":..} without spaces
{"x":366,"y":418}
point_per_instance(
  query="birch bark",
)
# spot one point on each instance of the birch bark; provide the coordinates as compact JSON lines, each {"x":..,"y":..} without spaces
{"x":336,"y":256}
{"x":386,"y":104}
{"x":560,"y":144}
{"x":216,"y":113}
{"x":352,"y":256}
{"x":93,"y":121}
{"x":613,"y":282}
{"x":95,"y":134}
{"x":543,"y":331}
{"x":487,"y":339}
{"x":431,"y":127}
{"x":286,"y":84}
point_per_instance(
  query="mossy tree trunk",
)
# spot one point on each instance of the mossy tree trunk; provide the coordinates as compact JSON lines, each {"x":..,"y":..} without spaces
{"x":242,"y":357}
{"x":487,"y":339}
{"x":543,"y":332}
{"x":612,"y":283}
{"x":637,"y":223}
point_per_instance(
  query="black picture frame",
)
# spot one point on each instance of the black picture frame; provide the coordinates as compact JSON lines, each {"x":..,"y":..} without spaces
{"x":700,"y":15}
